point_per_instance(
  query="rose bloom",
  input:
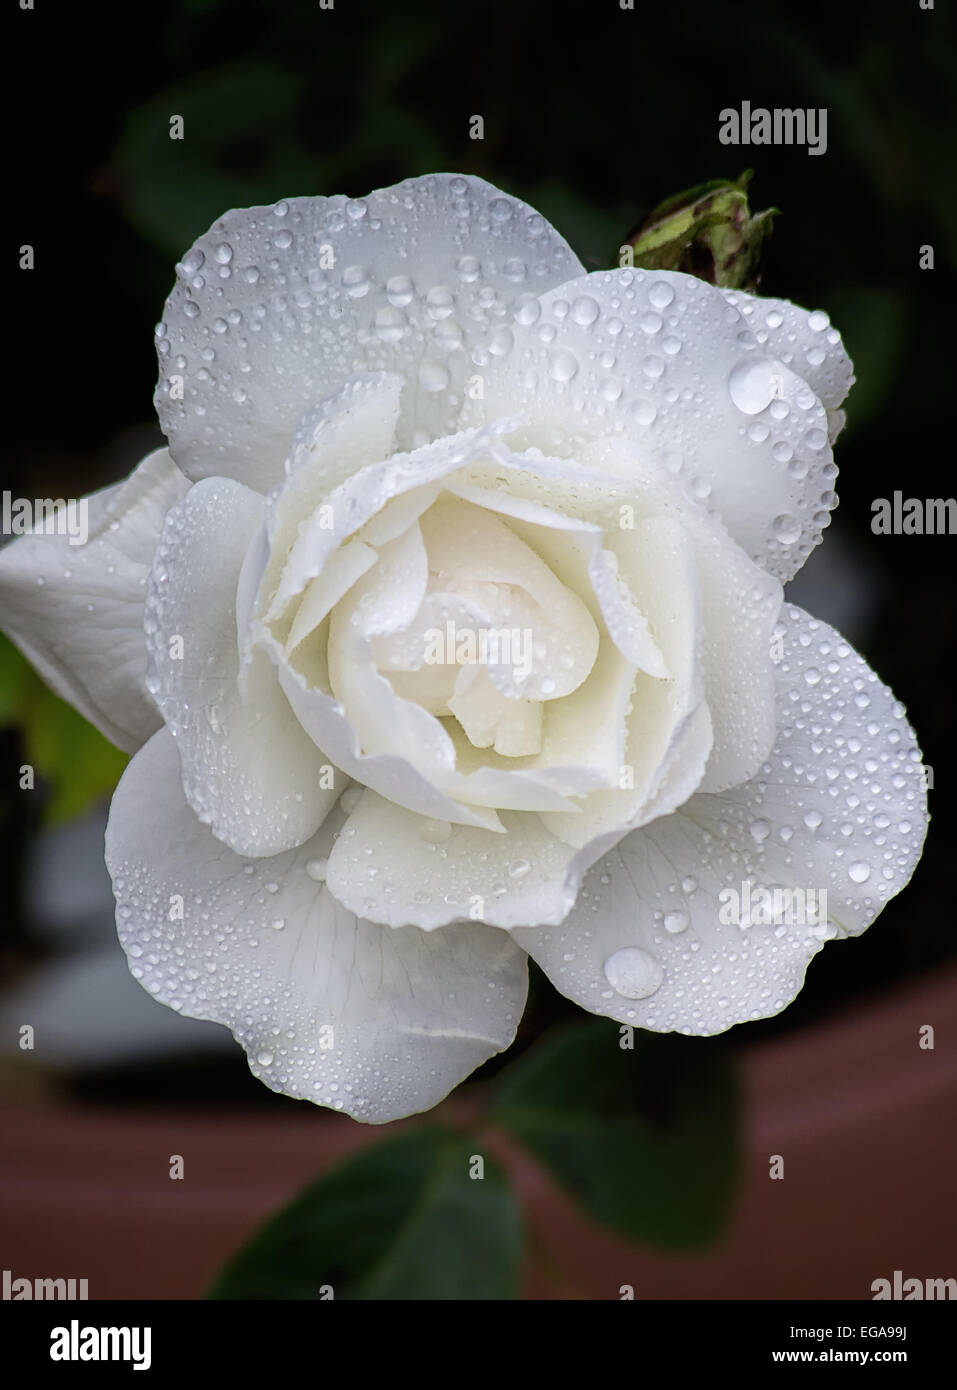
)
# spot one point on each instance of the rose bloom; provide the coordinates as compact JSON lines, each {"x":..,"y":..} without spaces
{"x":449,"y":630}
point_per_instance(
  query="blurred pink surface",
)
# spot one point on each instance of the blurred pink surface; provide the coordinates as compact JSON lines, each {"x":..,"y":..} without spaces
{"x":864,"y":1118}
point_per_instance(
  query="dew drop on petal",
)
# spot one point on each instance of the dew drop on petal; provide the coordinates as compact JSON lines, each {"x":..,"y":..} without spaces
{"x":752,"y":386}
{"x":786,"y":528}
{"x":633,"y":973}
{"x":562,"y":365}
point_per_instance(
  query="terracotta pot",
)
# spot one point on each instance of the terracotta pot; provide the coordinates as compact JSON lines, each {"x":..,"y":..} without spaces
{"x":863,"y":1117}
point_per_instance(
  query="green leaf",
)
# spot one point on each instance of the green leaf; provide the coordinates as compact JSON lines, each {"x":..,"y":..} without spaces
{"x":62,"y":747}
{"x":402,"y":1220}
{"x":645,"y":1139}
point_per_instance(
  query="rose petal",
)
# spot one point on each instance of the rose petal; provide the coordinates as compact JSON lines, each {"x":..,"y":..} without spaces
{"x":839,"y":807}
{"x":375,"y":1022}
{"x":471,"y":549}
{"x":428,"y":872}
{"x":346,"y":432}
{"x":663,"y":568}
{"x":76,"y":611}
{"x":803,"y":341}
{"x":664,"y":361}
{"x":739,"y":600}
{"x":249,"y":770}
{"x":294,"y":299}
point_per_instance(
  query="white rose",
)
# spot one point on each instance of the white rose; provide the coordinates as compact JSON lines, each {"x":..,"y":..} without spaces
{"x":394,"y":425}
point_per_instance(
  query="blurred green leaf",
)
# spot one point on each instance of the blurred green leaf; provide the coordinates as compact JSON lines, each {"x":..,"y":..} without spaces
{"x":13,"y":670}
{"x":588,"y":226}
{"x":241,"y":147}
{"x":63,"y":748}
{"x":402,"y":1220}
{"x":644,"y":1139}
{"x":876,"y":327}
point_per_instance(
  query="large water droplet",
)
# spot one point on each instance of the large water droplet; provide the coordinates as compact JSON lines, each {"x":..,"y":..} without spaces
{"x":752,"y":385}
{"x":786,"y":528}
{"x":661,"y":294}
{"x":585,"y":310}
{"x":633,"y":973}
{"x":562,"y":365}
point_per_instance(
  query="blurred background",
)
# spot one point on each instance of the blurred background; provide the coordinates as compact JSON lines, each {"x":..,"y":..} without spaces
{"x":594,"y":115}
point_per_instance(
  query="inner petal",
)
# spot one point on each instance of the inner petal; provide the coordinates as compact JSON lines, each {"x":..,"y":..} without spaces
{"x":542,"y":641}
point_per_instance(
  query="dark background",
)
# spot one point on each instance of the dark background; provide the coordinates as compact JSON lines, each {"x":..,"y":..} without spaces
{"x":593,"y":115}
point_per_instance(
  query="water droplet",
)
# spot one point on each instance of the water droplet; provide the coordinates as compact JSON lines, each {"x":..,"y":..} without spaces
{"x":501,"y":342}
{"x":390,"y":325}
{"x":633,"y":973}
{"x":661,"y":294}
{"x":528,"y":313}
{"x":786,"y":528}
{"x":440,"y":302}
{"x":433,"y":376}
{"x":752,"y":385}
{"x":859,"y":871}
{"x":356,"y":280}
{"x":585,"y":310}
{"x":562,"y":365}
{"x":399,"y":290}
{"x":675,"y":922}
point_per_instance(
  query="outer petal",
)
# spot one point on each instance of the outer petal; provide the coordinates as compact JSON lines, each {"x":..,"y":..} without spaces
{"x":839,"y":807}
{"x":249,"y":770}
{"x":665,"y":361}
{"x":76,"y":611}
{"x":294,"y":299}
{"x":376,"y":1022}
{"x":804,"y":341}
